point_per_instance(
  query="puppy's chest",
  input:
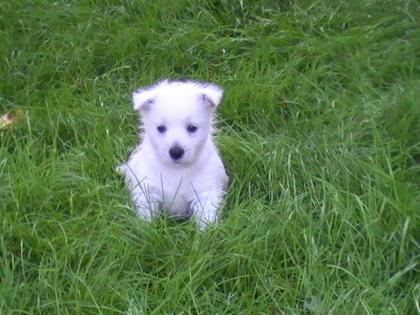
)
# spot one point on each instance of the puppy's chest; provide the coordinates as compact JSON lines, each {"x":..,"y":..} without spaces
{"x":175,"y":194}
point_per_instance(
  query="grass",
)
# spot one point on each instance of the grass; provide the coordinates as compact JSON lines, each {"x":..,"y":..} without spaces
{"x":319,"y":130}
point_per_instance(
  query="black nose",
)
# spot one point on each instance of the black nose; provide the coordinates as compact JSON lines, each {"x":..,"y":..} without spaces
{"x":176,"y":152}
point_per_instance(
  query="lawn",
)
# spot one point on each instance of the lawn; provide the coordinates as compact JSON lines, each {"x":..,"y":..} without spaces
{"x":319,"y":130}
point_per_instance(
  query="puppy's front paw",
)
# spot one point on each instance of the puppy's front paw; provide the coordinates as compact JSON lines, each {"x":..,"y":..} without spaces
{"x":205,"y":208}
{"x":203,"y":221}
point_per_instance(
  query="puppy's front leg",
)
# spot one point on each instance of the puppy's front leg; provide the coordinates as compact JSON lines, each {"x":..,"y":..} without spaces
{"x":205,"y":206}
{"x":147,"y":206}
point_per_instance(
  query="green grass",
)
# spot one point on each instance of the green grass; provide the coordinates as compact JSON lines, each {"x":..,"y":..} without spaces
{"x":319,"y":130}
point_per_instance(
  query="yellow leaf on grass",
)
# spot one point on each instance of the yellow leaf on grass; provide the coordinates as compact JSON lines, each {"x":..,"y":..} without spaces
{"x":12,"y":119}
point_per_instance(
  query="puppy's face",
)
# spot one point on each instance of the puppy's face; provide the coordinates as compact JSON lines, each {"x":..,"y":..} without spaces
{"x":177,"y":118}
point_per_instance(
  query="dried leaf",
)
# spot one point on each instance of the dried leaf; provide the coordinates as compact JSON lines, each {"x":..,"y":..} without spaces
{"x":12,"y":119}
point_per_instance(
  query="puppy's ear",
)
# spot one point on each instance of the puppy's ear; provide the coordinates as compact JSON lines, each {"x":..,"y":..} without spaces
{"x":143,"y":98}
{"x":211,"y":95}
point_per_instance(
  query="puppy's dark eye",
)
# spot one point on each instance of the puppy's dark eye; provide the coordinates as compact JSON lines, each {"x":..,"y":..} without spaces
{"x":161,"y":128}
{"x":191,"y":128}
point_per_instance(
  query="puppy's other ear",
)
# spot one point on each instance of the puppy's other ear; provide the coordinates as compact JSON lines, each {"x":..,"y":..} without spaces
{"x":142,"y":99}
{"x":211,"y":95}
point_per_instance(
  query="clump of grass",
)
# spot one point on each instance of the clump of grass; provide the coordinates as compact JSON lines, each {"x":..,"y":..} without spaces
{"x":318,"y":129}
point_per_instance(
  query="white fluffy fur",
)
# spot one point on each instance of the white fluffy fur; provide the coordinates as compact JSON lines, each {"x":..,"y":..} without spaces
{"x":193,"y":184}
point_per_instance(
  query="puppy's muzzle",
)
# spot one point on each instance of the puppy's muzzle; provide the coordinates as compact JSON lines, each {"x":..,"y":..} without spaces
{"x":176,"y":152}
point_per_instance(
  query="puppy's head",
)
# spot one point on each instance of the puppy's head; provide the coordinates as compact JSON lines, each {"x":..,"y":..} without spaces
{"x":177,"y":118}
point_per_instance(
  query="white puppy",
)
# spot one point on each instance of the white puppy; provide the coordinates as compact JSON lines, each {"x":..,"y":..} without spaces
{"x":176,"y":167}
